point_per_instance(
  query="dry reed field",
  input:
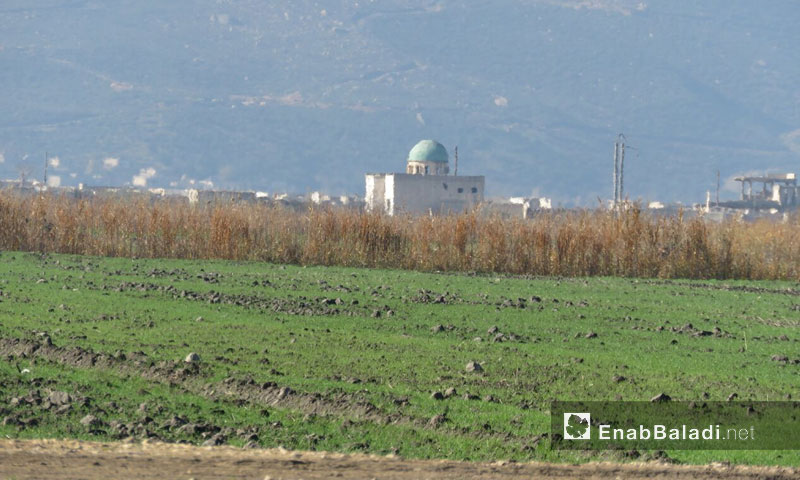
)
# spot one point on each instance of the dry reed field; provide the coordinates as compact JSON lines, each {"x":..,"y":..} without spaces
{"x":576,"y":243}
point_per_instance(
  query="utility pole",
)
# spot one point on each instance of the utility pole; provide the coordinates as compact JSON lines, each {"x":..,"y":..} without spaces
{"x":717,"y":196}
{"x":616,"y":175}
{"x":455,"y":154}
{"x":45,"y":169}
{"x":24,"y":170}
{"x":619,"y":166}
{"x":621,"y":171}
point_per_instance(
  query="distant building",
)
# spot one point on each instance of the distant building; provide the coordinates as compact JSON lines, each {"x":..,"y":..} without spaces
{"x":224,"y":196}
{"x":779,"y":192}
{"x":426,"y":187}
{"x":516,"y":207}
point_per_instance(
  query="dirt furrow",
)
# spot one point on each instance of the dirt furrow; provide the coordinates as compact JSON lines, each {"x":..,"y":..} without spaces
{"x":71,"y":459}
{"x":190,"y":378}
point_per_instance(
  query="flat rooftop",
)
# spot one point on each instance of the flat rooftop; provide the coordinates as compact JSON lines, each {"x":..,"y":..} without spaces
{"x":780,"y":177}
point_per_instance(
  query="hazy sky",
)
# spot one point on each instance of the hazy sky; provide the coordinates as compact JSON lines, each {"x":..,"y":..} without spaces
{"x":304,"y":96}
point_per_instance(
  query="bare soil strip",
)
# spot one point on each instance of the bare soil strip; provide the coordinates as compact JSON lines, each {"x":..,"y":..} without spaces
{"x":70,"y":459}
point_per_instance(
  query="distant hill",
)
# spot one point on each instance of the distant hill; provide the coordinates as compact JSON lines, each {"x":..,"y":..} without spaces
{"x":305,"y":95}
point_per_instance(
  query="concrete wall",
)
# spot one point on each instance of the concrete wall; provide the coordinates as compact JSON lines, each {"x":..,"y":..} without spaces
{"x":388,"y":195}
{"x":437,"y":194}
{"x":374,"y":197}
{"x":394,"y":193}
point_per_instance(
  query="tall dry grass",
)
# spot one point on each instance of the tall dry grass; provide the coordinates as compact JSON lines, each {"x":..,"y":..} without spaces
{"x":586,"y":243}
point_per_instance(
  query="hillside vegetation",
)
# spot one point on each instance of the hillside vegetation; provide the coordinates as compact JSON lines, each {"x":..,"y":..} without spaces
{"x":297,"y":95}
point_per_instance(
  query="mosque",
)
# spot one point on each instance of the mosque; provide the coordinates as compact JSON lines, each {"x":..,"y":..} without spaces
{"x":427,"y":186}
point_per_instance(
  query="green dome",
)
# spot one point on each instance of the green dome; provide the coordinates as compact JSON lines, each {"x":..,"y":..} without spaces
{"x":428,"y":151}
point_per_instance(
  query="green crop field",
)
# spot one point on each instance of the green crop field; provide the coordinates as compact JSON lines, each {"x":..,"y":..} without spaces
{"x":345,"y":359}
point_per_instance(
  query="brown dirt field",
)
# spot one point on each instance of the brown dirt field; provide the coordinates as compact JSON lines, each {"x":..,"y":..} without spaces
{"x":69,"y":459}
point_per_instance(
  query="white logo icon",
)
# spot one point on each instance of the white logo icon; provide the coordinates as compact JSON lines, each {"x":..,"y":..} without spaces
{"x":577,"y":426}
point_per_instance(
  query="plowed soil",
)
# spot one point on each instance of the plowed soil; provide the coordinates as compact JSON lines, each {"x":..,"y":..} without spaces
{"x":65,"y":460}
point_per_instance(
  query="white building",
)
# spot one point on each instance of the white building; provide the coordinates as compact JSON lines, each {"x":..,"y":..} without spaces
{"x":426,"y":186}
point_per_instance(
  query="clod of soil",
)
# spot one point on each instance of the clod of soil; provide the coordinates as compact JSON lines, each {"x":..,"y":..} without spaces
{"x":436,"y":420}
{"x":192,"y":358}
{"x":59,"y":398}
{"x":217,"y":439}
{"x":474,"y":367}
{"x":661,"y":397}
{"x":284,"y":392}
{"x":91,"y":421}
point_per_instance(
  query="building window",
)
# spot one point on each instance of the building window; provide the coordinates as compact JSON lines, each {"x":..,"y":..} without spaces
{"x":445,"y":186}
{"x":460,"y":190}
{"x":426,"y":169}
{"x":474,"y":189}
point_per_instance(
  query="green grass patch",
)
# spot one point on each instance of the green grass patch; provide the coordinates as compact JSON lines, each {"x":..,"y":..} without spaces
{"x":363,"y":351}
